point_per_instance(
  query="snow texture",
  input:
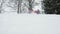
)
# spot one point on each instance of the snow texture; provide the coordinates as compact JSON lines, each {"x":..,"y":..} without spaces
{"x":29,"y":24}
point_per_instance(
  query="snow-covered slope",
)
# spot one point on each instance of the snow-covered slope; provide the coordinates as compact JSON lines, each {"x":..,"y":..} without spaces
{"x":29,"y":24}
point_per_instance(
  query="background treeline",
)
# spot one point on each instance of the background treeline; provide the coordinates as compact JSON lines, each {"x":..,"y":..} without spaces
{"x":52,"y":6}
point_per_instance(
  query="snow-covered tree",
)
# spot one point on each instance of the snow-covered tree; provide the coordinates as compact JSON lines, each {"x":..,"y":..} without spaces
{"x":8,"y":6}
{"x":20,"y":6}
{"x":1,"y":5}
{"x":37,"y":5}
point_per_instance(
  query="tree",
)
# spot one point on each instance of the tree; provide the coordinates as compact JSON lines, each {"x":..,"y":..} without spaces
{"x":8,"y":6}
{"x":19,"y":6}
{"x":1,"y":4}
{"x":30,"y":4}
{"x":52,"y":6}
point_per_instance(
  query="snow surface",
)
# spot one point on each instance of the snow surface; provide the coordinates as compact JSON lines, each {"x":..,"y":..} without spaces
{"x":29,"y":24}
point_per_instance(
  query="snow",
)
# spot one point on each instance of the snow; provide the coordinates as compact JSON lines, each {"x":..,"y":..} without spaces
{"x":29,"y":24}
{"x":13,"y":23}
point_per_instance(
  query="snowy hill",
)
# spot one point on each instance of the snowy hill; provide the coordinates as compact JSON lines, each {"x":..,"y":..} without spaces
{"x":29,"y":24}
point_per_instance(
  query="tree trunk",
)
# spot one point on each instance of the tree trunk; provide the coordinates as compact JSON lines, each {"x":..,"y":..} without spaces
{"x":2,"y":2}
{"x":19,"y":6}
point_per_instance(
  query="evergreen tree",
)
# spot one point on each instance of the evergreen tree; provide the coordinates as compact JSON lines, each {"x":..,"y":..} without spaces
{"x":52,"y":6}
